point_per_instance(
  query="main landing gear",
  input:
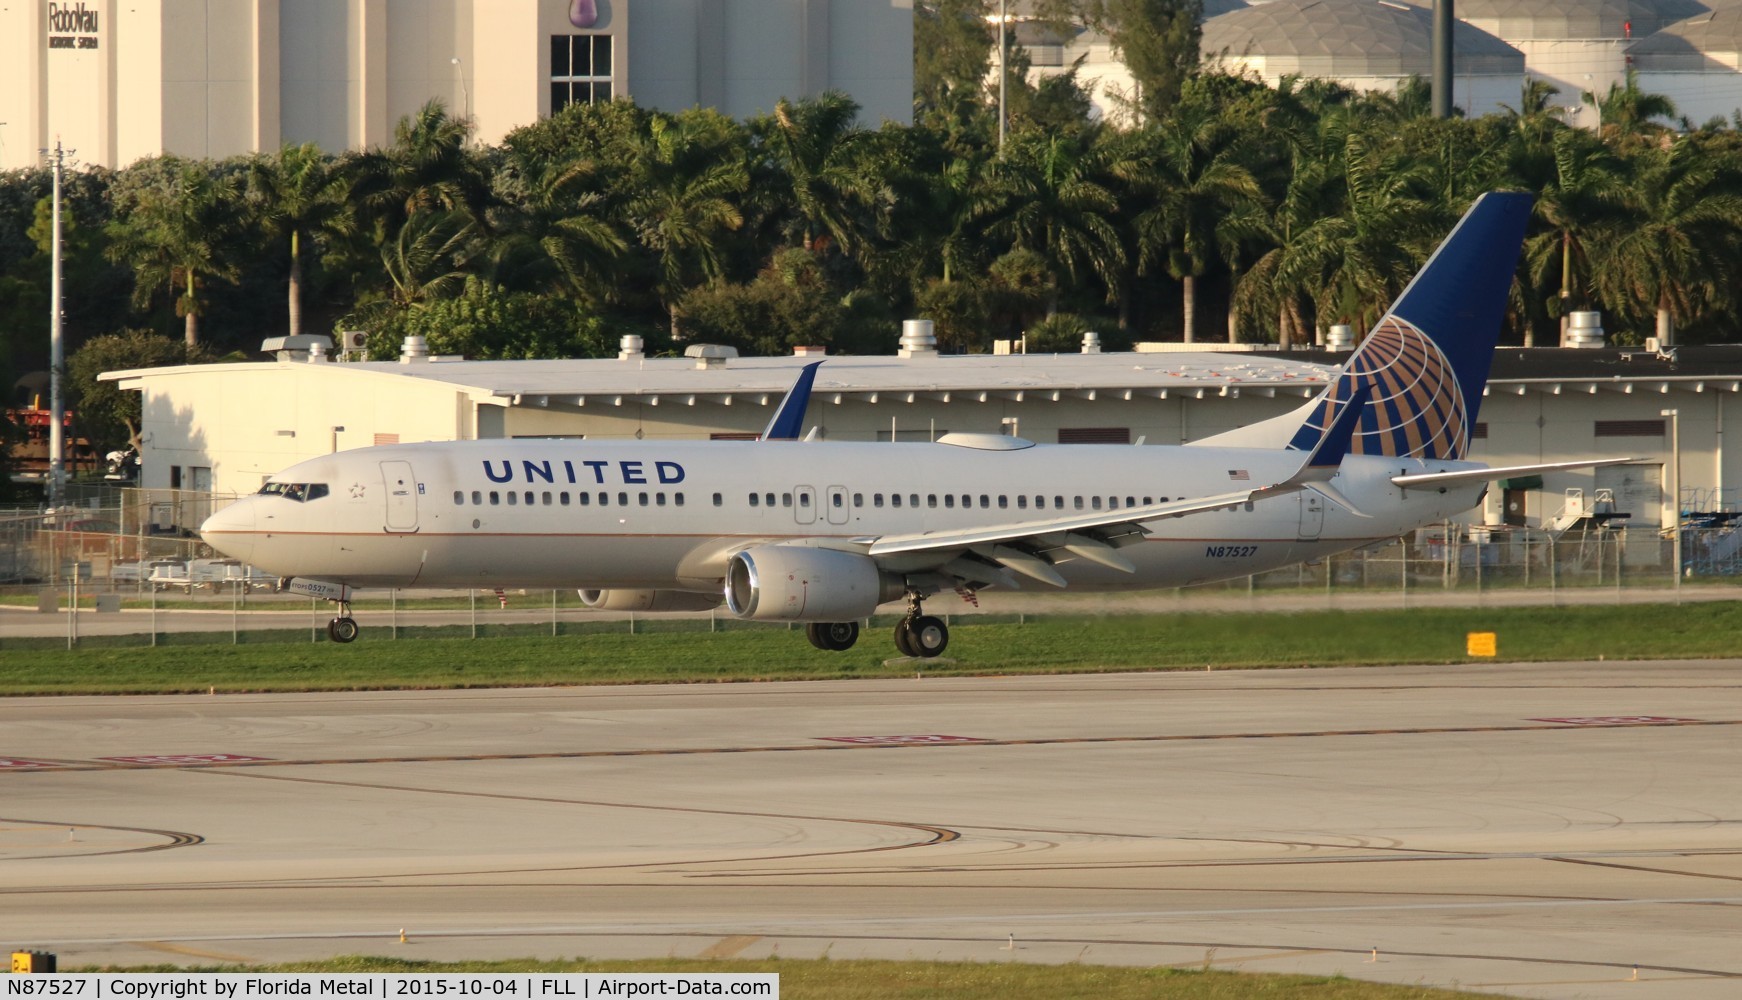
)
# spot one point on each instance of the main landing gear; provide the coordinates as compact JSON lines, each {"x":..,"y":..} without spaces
{"x":832,"y":636}
{"x":920,"y":635}
{"x":343,"y":628}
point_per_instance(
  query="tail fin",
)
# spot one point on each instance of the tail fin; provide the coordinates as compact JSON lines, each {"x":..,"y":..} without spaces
{"x":788,"y":419}
{"x":1426,"y":361}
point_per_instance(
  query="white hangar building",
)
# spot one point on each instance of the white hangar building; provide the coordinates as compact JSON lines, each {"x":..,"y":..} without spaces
{"x":227,"y":427}
{"x":117,"y":80}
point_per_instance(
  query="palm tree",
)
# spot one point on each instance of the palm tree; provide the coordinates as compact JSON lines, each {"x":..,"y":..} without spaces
{"x":686,"y":171}
{"x":300,"y":194}
{"x":428,"y":167}
{"x":1579,"y":202}
{"x":179,"y":235}
{"x":557,"y":230}
{"x":1628,"y":115}
{"x":1675,"y":253}
{"x":1195,"y":176}
{"x":814,"y":146}
{"x":1054,"y":196}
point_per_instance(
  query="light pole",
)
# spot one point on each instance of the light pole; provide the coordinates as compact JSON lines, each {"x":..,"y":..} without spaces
{"x":1003,"y":71}
{"x":56,"y":350}
{"x":460,"y":68}
{"x":1675,"y":465}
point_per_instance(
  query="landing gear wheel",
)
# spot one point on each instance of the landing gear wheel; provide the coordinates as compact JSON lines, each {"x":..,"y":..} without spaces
{"x":904,"y":638}
{"x":342,"y":629}
{"x":927,"y":635}
{"x":832,"y":636}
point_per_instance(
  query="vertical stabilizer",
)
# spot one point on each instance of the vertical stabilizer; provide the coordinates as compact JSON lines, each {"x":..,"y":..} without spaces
{"x":1426,"y":361}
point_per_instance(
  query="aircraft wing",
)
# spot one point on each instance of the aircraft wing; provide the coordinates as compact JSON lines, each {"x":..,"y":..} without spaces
{"x":1421,"y":480}
{"x":1031,"y":547}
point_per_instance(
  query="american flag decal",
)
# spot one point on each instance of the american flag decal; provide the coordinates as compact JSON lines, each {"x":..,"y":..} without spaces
{"x":1238,"y":474}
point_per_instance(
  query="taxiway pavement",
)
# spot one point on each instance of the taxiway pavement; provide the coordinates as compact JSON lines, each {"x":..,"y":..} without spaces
{"x":1536,"y":830}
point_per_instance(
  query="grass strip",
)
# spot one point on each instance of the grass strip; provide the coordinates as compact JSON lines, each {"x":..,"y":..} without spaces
{"x":825,"y":979}
{"x":679,"y":652}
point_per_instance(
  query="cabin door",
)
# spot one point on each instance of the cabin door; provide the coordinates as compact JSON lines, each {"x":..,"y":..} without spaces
{"x":401,"y":488}
{"x":1312,"y":515}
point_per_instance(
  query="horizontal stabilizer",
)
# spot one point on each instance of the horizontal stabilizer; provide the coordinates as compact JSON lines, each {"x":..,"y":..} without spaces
{"x":1424,"y":479}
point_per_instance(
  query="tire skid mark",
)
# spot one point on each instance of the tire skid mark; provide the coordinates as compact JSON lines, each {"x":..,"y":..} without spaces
{"x":843,"y":747}
{"x":173,"y":838}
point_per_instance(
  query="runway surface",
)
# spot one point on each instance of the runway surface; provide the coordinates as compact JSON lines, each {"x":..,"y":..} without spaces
{"x":1536,"y":830}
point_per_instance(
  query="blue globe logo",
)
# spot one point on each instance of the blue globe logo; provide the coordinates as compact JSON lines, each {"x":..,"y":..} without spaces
{"x":1416,"y":409}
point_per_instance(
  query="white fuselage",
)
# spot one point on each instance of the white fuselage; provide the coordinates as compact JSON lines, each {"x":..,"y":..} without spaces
{"x":572,"y":513}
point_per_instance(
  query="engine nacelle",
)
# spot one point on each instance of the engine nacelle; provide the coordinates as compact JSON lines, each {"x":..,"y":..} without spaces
{"x":648,"y":600}
{"x":793,"y":583}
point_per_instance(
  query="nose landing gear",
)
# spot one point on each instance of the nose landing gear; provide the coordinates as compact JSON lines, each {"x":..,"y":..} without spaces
{"x":920,"y":635}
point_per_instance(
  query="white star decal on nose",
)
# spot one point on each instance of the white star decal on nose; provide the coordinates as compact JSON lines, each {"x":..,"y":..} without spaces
{"x":356,"y":491}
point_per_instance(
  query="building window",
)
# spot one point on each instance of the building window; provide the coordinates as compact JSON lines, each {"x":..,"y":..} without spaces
{"x":580,"y":70}
{"x":1094,"y":435}
{"x":1629,"y":428}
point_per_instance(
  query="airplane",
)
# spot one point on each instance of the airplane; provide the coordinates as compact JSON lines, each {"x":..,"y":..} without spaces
{"x":826,"y":532}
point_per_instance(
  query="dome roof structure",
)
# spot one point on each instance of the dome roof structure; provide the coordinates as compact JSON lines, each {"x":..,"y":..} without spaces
{"x":1558,"y":19}
{"x":1708,"y":41}
{"x":1352,"y":38}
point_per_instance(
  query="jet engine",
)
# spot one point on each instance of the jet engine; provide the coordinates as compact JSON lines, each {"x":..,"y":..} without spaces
{"x":795,"y":583}
{"x":648,"y":600}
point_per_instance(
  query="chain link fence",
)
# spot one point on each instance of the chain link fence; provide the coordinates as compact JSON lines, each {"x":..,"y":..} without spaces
{"x":125,"y":569}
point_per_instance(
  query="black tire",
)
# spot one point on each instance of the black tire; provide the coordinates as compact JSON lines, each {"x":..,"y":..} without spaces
{"x":342,"y":629}
{"x":814,"y":632}
{"x":838,"y":636}
{"x":904,"y":639}
{"x":929,"y":636}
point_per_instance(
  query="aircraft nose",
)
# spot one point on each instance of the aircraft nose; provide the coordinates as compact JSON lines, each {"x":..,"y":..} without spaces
{"x":231,"y":530}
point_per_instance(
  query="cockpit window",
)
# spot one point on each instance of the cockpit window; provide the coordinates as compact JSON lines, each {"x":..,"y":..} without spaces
{"x":300,"y":492}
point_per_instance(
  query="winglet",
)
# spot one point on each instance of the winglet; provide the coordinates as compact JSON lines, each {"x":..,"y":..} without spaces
{"x":788,"y":418}
{"x":1328,"y":456}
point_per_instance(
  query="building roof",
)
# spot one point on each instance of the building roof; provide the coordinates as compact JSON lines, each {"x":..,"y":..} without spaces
{"x":1352,"y":38}
{"x":1560,"y":19}
{"x":1708,"y":41}
{"x":762,"y":381}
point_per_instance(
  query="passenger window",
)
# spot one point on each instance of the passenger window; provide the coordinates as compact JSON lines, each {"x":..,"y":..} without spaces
{"x":1095,"y":502}
{"x":563,"y":498}
{"x":659,"y":499}
{"x":755,"y":501}
{"x":894,"y":499}
{"x":985,"y":501}
{"x":950,"y":500}
{"x":584,"y":498}
{"x":876,"y":499}
{"x":1022,"y":503}
{"x":1079,"y":501}
{"x":1147,"y":501}
{"x":459,"y":498}
{"x":1130,"y":501}
{"x":495,"y":498}
{"x":643,"y":498}
{"x":836,"y":499}
{"x":604,"y":499}
{"x":858,"y":499}
{"x":768,"y":499}
{"x":1058,"y":503}
{"x":477,"y":498}
{"x":679,"y":499}
{"x":786,"y":499}
{"x":513,"y":498}
{"x":1003,"y":501}
{"x":1112,"y":503}
{"x":546,"y":498}
{"x":804,"y":499}
{"x":623,"y":499}
{"x":931,"y":499}
{"x":720,"y":501}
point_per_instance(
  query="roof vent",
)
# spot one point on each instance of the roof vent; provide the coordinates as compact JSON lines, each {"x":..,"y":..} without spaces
{"x":1584,"y":329}
{"x":296,"y":348}
{"x":917,"y":339}
{"x":710,"y":355}
{"x":1091,"y":342}
{"x":1340,"y":337}
{"x":810,"y":352}
{"x":631,"y":348}
{"x":414,"y":350}
{"x":317,"y":353}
